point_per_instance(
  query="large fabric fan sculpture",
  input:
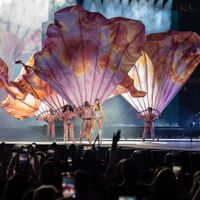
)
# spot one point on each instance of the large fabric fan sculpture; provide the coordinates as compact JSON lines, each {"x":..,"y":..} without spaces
{"x":167,"y":61}
{"x":18,"y":103}
{"x":86,"y":56}
{"x":54,"y":102}
{"x":28,"y":94}
{"x":21,"y":109}
{"x":3,"y":74}
{"x":29,"y":83}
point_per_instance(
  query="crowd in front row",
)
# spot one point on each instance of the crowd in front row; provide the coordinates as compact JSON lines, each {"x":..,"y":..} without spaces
{"x":89,"y":173}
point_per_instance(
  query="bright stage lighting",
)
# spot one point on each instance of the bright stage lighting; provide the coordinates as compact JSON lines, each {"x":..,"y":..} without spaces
{"x":20,"y":37}
{"x":155,"y":15}
{"x":20,"y":30}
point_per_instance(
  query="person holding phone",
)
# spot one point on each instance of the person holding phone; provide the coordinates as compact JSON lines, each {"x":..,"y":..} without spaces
{"x":23,"y":158}
{"x":25,"y":161}
{"x":68,"y":184}
{"x":177,"y":169}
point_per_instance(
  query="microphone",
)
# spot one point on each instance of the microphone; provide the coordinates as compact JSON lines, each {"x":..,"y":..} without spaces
{"x":18,"y":61}
{"x":93,"y":145}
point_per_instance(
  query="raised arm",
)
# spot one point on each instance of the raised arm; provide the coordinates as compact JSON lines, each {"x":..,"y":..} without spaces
{"x":78,"y":111}
{"x":40,"y":119}
{"x":74,"y":115}
{"x":109,"y":174}
{"x":140,"y":116}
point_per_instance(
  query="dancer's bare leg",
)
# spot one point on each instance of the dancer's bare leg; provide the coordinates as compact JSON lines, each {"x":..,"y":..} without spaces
{"x":53,"y":131}
{"x":65,"y":136}
{"x":144,"y":132}
{"x":81,"y":136}
{"x":48,"y":130}
{"x":152,"y":132}
{"x":83,"y":129}
{"x":100,"y":130}
{"x":93,"y":127}
{"x":89,"y":127}
{"x":71,"y":132}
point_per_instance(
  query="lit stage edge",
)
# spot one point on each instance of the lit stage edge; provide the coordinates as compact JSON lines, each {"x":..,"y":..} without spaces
{"x":162,"y":144}
{"x":23,"y":136}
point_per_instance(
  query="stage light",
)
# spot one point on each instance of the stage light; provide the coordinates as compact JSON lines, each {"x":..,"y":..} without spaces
{"x":20,"y":27}
{"x":154,"y":14}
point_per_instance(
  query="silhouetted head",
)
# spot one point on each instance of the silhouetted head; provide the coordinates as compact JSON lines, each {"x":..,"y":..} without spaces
{"x":195,"y":182}
{"x":149,"y":109}
{"x":86,"y":104}
{"x":97,"y":101}
{"x":130,"y":170}
{"x":49,"y":173}
{"x":16,"y":187}
{"x":28,"y":195}
{"x":82,"y":180}
{"x":73,"y":148}
{"x":118,"y":171}
{"x":165,"y":183}
{"x":45,"y":192}
{"x":169,"y":159}
{"x":51,"y":111}
{"x":68,"y":108}
{"x":90,"y":161}
{"x":2,"y":147}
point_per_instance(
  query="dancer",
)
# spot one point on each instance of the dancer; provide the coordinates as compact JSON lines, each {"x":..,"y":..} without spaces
{"x":148,"y":117}
{"x":50,"y":118}
{"x":98,"y":116}
{"x":87,"y":116}
{"x":68,"y":115}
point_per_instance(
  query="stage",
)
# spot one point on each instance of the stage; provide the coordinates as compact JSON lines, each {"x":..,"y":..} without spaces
{"x":38,"y":135}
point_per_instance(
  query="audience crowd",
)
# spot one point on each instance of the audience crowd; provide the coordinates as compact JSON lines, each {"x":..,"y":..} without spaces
{"x":56,"y":172}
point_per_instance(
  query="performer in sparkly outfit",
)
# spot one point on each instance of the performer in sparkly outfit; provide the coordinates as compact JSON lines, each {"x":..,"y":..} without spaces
{"x":98,"y":117}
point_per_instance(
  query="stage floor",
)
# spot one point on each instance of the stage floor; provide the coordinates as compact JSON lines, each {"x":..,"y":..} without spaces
{"x":28,"y":136}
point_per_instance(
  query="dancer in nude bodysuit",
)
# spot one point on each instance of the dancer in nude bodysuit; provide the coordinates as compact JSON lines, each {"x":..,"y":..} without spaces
{"x":87,"y":116}
{"x":50,"y":118}
{"x":148,"y":117}
{"x":68,"y":115}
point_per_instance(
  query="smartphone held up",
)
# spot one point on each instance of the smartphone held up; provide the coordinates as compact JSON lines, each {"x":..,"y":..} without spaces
{"x":68,"y":184}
